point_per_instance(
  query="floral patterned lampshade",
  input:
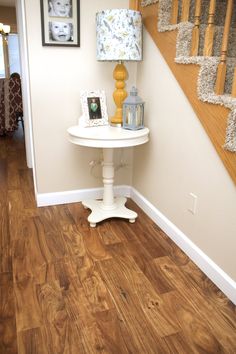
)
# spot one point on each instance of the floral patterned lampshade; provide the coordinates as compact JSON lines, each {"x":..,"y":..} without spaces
{"x":119,"y":35}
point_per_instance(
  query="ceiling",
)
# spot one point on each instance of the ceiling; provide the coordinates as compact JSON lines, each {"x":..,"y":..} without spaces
{"x":7,"y":2}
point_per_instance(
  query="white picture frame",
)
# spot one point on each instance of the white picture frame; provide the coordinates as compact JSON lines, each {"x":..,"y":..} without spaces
{"x":94,"y":108}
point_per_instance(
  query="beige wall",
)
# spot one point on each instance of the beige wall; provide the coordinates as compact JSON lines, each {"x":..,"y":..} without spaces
{"x":8,"y":17}
{"x":180,"y":159}
{"x":56,"y":77}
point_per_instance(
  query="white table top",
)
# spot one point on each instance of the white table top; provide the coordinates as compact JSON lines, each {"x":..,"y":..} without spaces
{"x":107,"y":136}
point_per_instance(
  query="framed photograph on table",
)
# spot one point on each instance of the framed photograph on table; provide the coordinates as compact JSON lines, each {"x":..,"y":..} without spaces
{"x":60,"y":23}
{"x":94,"y":108}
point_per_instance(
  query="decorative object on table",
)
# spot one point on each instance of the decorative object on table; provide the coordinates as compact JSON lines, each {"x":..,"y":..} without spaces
{"x":60,"y":21}
{"x":94,"y":108}
{"x":133,"y":111}
{"x":119,"y":38}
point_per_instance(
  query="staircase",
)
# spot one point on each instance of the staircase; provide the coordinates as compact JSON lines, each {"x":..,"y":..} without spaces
{"x":202,"y":34}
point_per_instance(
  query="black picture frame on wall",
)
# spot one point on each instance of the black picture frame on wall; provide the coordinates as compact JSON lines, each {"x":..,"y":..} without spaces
{"x":60,"y":23}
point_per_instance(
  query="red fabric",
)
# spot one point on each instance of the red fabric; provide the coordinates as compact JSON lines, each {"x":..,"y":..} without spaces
{"x":10,"y":104}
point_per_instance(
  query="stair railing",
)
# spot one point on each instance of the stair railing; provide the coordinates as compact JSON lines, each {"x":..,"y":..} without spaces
{"x":185,"y":10}
{"x":174,"y":12}
{"x":210,"y":30}
{"x":234,"y":84}
{"x":221,"y":71}
{"x":134,"y":4}
{"x":196,"y":30}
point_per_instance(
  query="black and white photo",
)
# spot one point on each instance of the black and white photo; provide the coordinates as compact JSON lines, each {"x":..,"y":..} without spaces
{"x":60,"y":21}
{"x":61,"y":31}
{"x":60,"y":8}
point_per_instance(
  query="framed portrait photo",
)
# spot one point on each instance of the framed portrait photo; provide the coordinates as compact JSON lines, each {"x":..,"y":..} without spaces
{"x":60,"y":22}
{"x":94,"y":108}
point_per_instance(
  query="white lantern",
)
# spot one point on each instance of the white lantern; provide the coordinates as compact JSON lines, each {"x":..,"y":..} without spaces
{"x":133,"y":111}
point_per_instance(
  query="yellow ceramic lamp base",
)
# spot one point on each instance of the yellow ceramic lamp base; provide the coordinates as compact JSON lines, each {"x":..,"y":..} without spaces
{"x":120,"y":74}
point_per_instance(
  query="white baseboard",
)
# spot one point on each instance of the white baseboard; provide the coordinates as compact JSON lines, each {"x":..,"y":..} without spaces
{"x":75,"y":196}
{"x":211,"y":269}
{"x":226,"y":284}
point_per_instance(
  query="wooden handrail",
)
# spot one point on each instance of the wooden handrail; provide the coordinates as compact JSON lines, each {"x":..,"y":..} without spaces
{"x":209,"y":34}
{"x":174,"y":12}
{"x":185,"y":10}
{"x":221,"y":71}
{"x":196,"y":31}
{"x":234,"y":84}
{"x":134,"y":4}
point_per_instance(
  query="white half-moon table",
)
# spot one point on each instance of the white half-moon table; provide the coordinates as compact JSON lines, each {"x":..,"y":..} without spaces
{"x":107,"y":138}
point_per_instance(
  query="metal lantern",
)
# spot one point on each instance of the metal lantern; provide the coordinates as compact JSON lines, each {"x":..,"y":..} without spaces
{"x":133,"y":111}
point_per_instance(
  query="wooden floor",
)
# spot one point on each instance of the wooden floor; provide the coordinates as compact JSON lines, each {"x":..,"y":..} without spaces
{"x":120,"y":288}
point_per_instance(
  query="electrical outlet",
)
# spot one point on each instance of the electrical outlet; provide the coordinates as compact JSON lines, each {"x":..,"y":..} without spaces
{"x":192,"y":203}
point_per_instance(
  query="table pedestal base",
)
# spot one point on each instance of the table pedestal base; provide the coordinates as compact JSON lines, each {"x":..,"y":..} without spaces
{"x":101,"y":212}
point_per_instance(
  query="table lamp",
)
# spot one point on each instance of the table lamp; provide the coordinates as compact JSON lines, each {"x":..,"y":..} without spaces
{"x":119,"y":38}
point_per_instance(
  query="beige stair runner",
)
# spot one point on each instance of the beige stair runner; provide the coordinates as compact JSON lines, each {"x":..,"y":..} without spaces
{"x":208,"y":17}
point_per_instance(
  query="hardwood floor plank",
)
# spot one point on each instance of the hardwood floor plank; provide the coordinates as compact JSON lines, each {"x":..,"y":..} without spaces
{"x":148,"y":240}
{"x":8,"y":342}
{"x":17,"y":211}
{"x":53,"y":239}
{"x":159,"y":282}
{"x":3,"y":182}
{"x":77,"y":304}
{"x":143,"y":258}
{"x":79,"y":215}
{"x":96,"y":291}
{"x":197,"y":331}
{"x":210,"y":290}
{"x":13,"y":178}
{"x":63,"y":337}
{"x":107,"y":234}
{"x":56,"y":212}
{"x":92,"y":339}
{"x":80,"y":313}
{"x":109,"y":324}
{"x":223,"y":330}
{"x":49,"y":238}
{"x":94,"y":246}
{"x":136,"y":248}
{"x":5,"y":241}
{"x":51,"y":302}
{"x":32,"y":341}
{"x":74,"y":240}
{"x":25,"y":176}
{"x":176,"y":343}
{"x":5,"y":259}
{"x":3,"y":148}
{"x":30,"y":249}
{"x":28,"y":311}
{"x":63,"y":270}
{"x":125,"y":281}
{"x":138,"y":334}
{"x":155,"y":240}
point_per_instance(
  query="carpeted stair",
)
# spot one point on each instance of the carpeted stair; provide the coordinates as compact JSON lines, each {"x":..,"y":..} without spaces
{"x":208,"y":65}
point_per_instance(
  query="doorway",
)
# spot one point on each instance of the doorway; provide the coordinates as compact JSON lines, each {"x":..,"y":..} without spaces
{"x":24,"y":68}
